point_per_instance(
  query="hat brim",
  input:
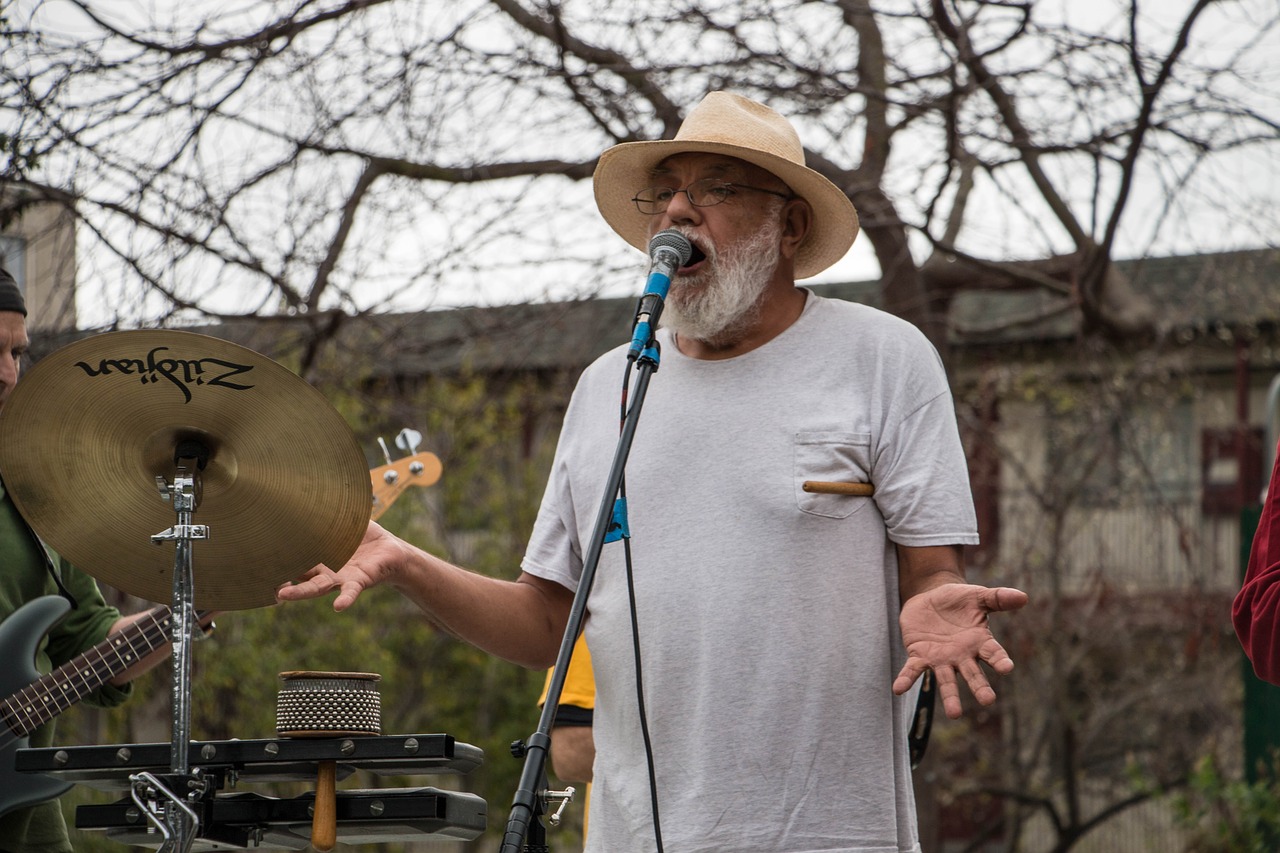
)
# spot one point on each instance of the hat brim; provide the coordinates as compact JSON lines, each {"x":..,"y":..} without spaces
{"x":625,"y":169}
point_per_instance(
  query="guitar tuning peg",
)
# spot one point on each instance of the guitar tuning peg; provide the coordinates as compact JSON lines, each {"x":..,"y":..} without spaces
{"x":386,"y":454}
{"x":408,"y":440}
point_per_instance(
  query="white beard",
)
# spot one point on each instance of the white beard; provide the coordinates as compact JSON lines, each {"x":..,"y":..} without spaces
{"x":717,"y":304}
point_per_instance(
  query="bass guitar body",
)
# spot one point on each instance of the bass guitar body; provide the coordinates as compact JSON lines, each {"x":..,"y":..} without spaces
{"x":20,"y":637}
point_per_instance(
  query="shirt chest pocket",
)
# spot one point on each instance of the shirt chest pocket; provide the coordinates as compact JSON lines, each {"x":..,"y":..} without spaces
{"x":831,"y":457}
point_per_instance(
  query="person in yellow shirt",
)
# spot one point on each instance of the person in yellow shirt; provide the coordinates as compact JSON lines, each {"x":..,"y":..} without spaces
{"x":573,"y":749}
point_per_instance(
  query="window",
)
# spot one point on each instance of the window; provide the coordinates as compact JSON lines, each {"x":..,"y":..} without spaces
{"x":1140,"y":452}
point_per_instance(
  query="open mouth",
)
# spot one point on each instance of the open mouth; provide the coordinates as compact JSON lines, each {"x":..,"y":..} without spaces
{"x":695,"y":258}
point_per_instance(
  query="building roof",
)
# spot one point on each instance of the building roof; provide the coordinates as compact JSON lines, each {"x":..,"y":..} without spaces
{"x":1199,"y":293}
{"x":1195,"y":294}
{"x":1191,"y":293}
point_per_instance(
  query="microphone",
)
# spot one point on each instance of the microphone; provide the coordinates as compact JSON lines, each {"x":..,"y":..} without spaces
{"x":668,"y":251}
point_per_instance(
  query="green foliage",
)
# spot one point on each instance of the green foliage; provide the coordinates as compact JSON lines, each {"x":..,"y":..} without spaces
{"x":1230,"y":816}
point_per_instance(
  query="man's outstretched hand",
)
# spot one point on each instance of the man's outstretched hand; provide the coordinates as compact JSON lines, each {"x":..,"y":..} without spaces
{"x":369,"y":566}
{"x":945,"y":629}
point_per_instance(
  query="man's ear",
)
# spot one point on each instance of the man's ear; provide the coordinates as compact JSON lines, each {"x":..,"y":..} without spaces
{"x":797,"y":219}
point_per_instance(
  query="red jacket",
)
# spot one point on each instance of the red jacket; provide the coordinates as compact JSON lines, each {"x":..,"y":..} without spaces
{"x":1256,"y":609}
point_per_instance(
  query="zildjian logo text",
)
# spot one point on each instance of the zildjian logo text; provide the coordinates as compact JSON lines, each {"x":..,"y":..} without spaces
{"x":181,"y":372}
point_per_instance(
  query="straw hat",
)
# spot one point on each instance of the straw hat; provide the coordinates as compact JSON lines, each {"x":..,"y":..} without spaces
{"x":724,"y":123}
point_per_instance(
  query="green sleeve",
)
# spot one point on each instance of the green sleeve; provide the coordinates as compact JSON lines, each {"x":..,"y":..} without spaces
{"x":85,"y":626}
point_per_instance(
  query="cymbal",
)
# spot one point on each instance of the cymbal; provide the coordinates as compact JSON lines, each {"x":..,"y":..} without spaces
{"x":90,"y":427}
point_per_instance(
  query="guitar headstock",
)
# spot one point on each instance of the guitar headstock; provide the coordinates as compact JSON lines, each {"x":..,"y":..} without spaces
{"x":390,"y":480}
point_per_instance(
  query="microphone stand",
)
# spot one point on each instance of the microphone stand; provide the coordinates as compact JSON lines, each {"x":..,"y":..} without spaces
{"x":669,"y":250}
{"x":530,"y":796}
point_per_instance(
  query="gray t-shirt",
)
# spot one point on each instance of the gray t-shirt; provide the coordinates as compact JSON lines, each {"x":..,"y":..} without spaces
{"x":767,"y":615}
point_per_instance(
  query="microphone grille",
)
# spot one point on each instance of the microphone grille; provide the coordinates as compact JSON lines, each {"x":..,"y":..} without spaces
{"x":672,"y":240}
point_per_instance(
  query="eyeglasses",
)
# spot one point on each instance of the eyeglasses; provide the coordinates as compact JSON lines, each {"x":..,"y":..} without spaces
{"x":707,"y":192}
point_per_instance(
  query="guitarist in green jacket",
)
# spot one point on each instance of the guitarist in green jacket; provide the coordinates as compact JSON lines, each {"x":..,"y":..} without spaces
{"x":28,"y":572}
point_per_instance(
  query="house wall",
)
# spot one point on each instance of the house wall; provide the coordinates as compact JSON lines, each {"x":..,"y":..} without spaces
{"x":39,"y":250}
{"x":1122,"y":469}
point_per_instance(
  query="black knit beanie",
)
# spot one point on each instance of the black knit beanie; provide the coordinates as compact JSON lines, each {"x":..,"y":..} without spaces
{"x":10,"y":296}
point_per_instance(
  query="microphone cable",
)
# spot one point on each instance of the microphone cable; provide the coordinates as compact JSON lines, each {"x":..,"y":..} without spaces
{"x":635,"y":637}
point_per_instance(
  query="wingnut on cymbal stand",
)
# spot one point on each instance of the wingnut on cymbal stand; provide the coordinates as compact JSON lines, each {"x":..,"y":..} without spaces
{"x":164,"y":807}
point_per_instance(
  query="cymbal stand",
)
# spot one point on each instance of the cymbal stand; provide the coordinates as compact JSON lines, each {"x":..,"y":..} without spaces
{"x":181,"y":823}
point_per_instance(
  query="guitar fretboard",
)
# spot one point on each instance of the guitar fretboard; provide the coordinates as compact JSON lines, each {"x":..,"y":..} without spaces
{"x":42,"y":700}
